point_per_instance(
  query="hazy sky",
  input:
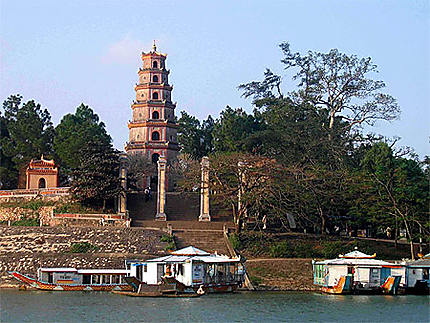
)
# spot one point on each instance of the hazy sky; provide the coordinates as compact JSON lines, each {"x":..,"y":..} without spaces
{"x":62,"y":53}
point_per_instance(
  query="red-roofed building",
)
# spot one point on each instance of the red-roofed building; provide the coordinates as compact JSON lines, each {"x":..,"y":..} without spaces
{"x":41,"y":173}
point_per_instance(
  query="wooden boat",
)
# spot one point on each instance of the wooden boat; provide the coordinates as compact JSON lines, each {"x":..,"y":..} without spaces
{"x":72,"y":279}
{"x":357,"y":273}
{"x":155,"y":294}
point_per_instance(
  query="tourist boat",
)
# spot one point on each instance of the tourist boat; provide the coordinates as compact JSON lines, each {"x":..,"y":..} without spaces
{"x":358,"y":273}
{"x":72,"y":279}
{"x":190,"y":270}
{"x":417,"y":276}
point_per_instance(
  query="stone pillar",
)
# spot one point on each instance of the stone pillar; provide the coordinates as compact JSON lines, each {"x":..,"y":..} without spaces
{"x":161,"y":193}
{"x":204,"y":191}
{"x":122,"y":198}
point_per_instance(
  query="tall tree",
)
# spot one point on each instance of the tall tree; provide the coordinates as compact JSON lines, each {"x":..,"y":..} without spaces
{"x":338,"y":82}
{"x":28,"y":131}
{"x":195,"y":139}
{"x":401,"y":190}
{"x":95,"y":180}
{"x":74,"y":132}
{"x":233,"y":130}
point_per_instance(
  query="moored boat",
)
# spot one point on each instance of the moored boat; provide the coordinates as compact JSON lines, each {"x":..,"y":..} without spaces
{"x":357,"y":273}
{"x":72,"y":279}
{"x":190,"y":269}
{"x":417,"y":276}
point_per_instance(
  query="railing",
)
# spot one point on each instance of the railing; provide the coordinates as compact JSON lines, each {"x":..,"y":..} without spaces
{"x":248,"y":284}
{"x":90,"y":216}
{"x":36,"y":191}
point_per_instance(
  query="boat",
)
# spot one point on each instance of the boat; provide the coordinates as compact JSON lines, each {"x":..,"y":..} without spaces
{"x":417,"y":276}
{"x":190,"y":269}
{"x":357,"y":273}
{"x":72,"y":279}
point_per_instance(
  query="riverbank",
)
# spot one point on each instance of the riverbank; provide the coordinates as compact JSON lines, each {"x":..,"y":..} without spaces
{"x":25,"y":249}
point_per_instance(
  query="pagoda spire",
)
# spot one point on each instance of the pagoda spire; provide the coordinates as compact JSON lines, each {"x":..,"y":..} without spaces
{"x":154,"y":47}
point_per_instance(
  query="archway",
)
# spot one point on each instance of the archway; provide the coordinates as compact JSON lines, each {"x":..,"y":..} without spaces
{"x":155,"y":115}
{"x":155,"y":79}
{"x":155,"y":64}
{"x":42,"y":183}
{"x":155,"y":158}
{"x":155,"y":96}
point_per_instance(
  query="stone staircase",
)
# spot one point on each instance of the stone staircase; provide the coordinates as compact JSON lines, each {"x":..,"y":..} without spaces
{"x":211,"y":241}
{"x":179,"y":207}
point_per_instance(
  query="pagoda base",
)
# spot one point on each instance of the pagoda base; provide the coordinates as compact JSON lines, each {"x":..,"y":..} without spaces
{"x":160,"y":217}
{"x":204,"y":218}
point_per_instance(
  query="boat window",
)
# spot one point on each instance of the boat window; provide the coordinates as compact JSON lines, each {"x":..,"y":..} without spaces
{"x":180,"y":269}
{"x":50,"y":278}
{"x":96,"y":279}
{"x":86,"y":279}
{"x":105,"y":279}
{"x":426,"y":273}
{"x":145,"y":268}
{"x":115,"y":279}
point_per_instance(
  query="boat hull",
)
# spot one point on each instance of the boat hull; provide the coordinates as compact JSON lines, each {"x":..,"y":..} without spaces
{"x":32,"y":282}
{"x":342,"y":287}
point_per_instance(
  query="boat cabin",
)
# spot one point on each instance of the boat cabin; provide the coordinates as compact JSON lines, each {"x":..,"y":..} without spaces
{"x":73,"y":276}
{"x":365,"y":272}
{"x":191,"y":267}
{"x":417,"y":275}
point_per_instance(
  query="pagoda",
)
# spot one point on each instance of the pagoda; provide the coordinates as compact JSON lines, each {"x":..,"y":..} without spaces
{"x":153,"y":130}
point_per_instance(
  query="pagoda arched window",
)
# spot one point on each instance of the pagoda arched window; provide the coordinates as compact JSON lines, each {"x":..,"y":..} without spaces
{"x":155,"y":115}
{"x":42,"y":183}
{"x":155,"y":158}
{"x":154,"y":64}
{"x":155,"y":79}
{"x":155,"y":136}
{"x":155,"y":96}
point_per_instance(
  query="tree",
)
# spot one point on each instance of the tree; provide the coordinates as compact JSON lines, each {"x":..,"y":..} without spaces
{"x":340,"y":83}
{"x":26,"y":133}
{"x":233,"y":130}
{"x":8,"y":171}
{"x":401,"y":190}
{"x":137,"y":166}
{"x":74,"y":132}
{"x":195,"y":139}
{"x":95,"y":180}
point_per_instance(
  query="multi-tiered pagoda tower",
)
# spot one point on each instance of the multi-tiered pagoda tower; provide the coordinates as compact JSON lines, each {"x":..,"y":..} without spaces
{"x":153,"y":128}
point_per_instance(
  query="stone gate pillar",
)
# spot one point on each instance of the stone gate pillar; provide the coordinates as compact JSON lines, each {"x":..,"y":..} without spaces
{"x":122,"y":198}
{"x":161,"y":193}
{"x":204,"y":191}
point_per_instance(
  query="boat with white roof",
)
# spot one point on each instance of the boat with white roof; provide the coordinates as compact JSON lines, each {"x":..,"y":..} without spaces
{"x":72,"y":279}
{"x":357,"y":272}
{"x":190,"y":270}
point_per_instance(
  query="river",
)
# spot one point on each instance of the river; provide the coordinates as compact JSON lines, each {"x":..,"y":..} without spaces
{"x":38,"y":306}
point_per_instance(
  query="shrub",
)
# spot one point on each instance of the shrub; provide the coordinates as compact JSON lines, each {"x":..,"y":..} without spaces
{"x":82,"y":247}
{"x":235,"y":241}
{"x":281,"y":250}
{"x":305,"y":250}
{"x":166,"y":238}
{"x":26,"y":222}
{"x":332,"y":249}
{"x":255,"y":280}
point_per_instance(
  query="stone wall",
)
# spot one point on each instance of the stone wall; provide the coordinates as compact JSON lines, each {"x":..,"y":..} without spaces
{"x":282,"y":274}
{"x":25,"y":249}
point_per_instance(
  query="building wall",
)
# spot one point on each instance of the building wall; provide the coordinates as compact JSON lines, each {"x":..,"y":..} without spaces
{"x":50,"y":180}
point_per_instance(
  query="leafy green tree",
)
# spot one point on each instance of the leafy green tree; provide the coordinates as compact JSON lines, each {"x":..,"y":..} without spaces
{"x":95,"y":181}
{"x":400,"y":192}
{"x":195,"y":139}
{"x":27,"y":133}
{"x":233,"y":131}
{"x":8,"y":171}
{"x":73,"y":132}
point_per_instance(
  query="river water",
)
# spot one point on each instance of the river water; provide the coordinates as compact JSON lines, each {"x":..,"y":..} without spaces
{"x":38,"y":306}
